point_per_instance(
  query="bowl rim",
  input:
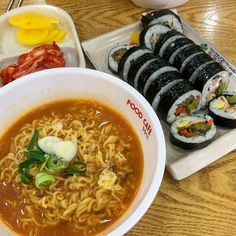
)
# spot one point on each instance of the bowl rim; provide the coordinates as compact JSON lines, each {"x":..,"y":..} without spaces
{"x":152,"y":190}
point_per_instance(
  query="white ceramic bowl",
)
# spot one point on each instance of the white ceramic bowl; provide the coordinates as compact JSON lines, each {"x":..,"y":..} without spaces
{"x":159,"y":4}
{"x":37,"y":88}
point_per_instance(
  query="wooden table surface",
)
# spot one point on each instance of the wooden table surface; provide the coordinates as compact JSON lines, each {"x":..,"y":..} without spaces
{"x":204,"y":203}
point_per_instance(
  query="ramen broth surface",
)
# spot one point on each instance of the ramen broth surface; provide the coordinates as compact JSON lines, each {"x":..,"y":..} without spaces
{"x":13,"y":203}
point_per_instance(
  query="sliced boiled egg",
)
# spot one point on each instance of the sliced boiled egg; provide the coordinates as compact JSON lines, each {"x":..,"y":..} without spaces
{"x":47,"y":144}
{"x":65,"y":150}
{"x":107,"y":180}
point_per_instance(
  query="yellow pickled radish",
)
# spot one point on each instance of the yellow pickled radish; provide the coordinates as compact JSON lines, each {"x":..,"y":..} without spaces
{"x":59,"y":38}
{"x":33,"y":21}
{"x":135,"y":37}
{"x":52,"y":34}
{"x":31,"y":37}
{"x":55,"y":35}
{"x":36,"y":28}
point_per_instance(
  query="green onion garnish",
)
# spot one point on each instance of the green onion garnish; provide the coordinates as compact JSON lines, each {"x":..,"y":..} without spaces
{"x":45,"y":162}
{"x":33,"y":140}
{"x":43,"y":180}
{"x":26,"y":178}
{"x":23,"y":169}
{"x":55,"y":163}
{"x":34,"y":155}
{"x":77,"y":167}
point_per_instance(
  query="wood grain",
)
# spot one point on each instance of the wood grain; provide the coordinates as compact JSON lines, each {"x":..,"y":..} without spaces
{"x":214,"y":19}
{"x":3,"y":4}
{"x":203,"y":204}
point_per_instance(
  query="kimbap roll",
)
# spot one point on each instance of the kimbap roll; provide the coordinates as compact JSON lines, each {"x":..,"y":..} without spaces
{"x":200,"y":69}
{"x":223,"y":110}
{"x":185,"y":55}
{"x":115,"y":56}
{"x":160,"y":85}
{"x":180,"y":100}
{"x":137,"y":64}
{"x":134,"y":81}
{"x":192,"y":132}
{"x":207,"y":72}
{"x":132,"y":54}
{"x":193,"y":65}
{"x":150,"y":71}
{"x":174,"y":47}
{"x":166,"y":39}
{"x":149,"y":36}
{"x":214,"y":87}
{"x":164,"y":17}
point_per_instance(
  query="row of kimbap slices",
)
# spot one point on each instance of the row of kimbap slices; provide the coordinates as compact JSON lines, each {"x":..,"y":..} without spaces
{"x":162,"y":85}
{"x":163,"y":33}
{"x":171,"y":71}
{"x":159,"y":82}
{"x":154,"y":25}
{"x":195,"y":65}
{"x":196,"y":131}
{"x":173,"y":98}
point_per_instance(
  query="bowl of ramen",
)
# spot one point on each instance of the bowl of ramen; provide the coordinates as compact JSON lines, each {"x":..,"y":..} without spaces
{"x":81,"y":153}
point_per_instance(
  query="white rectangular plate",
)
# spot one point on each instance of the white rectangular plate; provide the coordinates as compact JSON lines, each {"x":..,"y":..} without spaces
{"x":180,"y":163}
{"x":10,"y":49}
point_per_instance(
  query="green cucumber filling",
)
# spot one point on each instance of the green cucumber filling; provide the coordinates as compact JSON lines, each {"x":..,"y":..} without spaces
{"x":194,"y":129}
{"x":231,"y":99}
{"x":188,"y":106}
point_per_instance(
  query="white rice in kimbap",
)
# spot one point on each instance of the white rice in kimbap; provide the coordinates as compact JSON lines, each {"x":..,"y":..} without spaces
{"x":150,"y":36}
{"x":192,"y":132}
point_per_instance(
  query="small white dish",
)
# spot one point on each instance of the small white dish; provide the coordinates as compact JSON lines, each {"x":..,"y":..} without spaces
{"x":10,"y":49}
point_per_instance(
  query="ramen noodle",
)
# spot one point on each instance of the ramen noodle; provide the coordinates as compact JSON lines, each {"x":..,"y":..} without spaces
{"x":71,"y":203}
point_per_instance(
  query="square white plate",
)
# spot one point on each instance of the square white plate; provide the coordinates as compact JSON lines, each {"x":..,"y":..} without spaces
{"x":180,"y":163}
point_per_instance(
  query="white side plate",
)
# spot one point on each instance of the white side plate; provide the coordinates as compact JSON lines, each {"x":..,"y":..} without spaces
{"x":180,"y":163}
{"x":10,"y":49}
